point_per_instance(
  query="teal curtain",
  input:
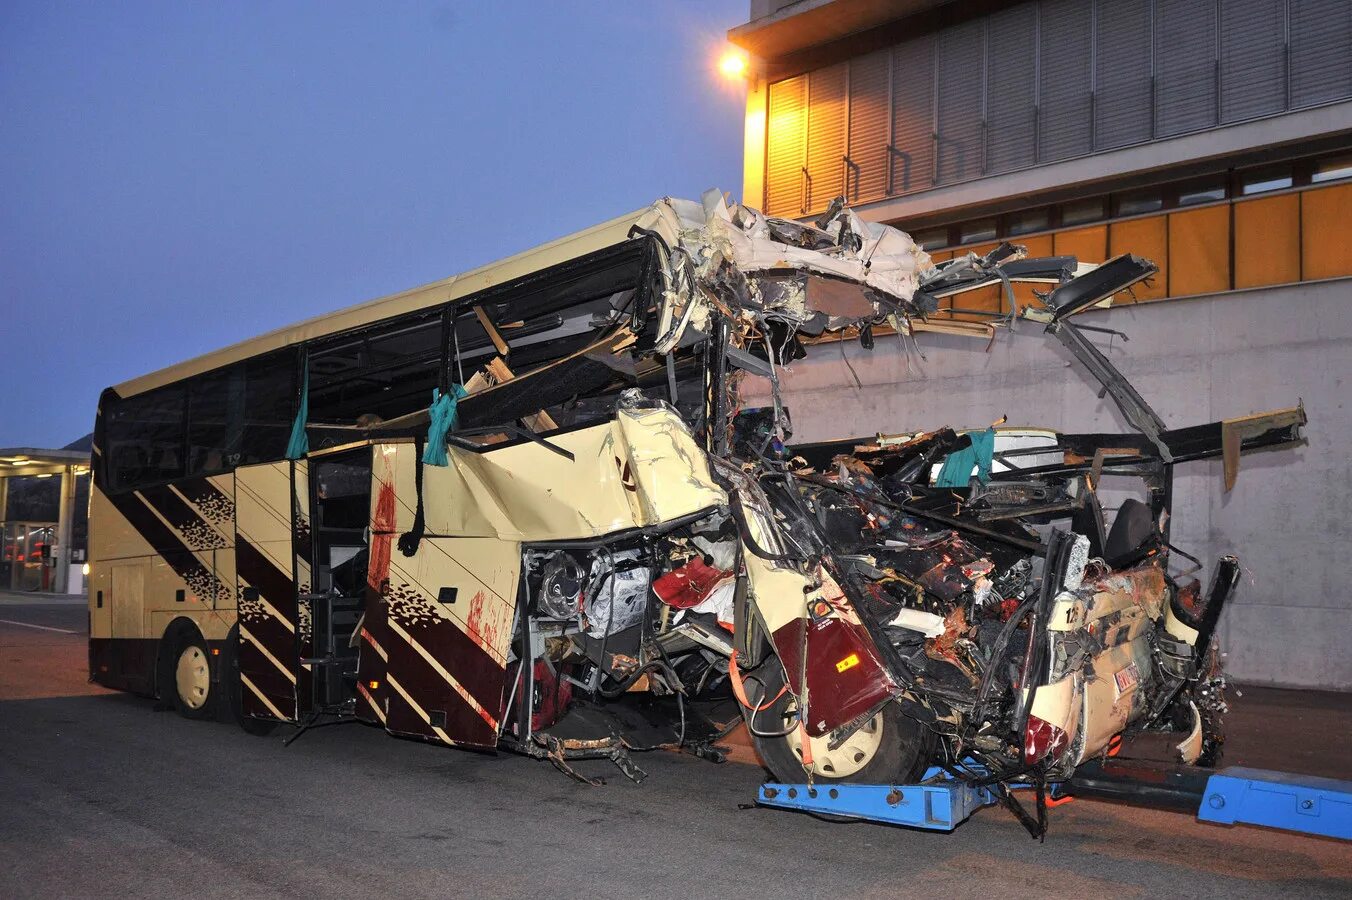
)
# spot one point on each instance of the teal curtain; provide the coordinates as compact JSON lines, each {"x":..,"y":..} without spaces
{"x":442,"y":415}
{"x":957,"y":470}
{"x":299,"y":444}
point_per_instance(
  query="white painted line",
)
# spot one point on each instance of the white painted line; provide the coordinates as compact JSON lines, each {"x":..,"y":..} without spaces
{"x":38,"y":627}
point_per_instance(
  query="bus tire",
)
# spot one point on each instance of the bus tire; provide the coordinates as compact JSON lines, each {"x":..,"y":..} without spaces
{"x":186,"y":677}
{"x":891,"y":748}
{"x":234,"y":690}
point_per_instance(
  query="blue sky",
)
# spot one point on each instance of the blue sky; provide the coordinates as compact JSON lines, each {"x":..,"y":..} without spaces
{"x":177,"y":176}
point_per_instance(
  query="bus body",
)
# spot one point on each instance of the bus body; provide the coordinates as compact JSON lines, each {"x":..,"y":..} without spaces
{"x":522,"y":508}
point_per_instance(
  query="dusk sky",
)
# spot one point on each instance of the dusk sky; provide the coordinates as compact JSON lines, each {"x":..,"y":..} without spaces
{"x":177,"y":176}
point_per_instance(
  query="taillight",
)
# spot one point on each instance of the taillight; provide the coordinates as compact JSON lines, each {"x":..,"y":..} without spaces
{"x":1042,"y":739}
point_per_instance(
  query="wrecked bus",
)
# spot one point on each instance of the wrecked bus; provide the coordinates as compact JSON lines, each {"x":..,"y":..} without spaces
{"x":524,"y":509}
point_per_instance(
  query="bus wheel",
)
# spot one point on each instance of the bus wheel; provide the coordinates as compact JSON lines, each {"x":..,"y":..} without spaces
{"x":189,"y":678}
{"x":890,"y":748}
{"x":234,"y":690}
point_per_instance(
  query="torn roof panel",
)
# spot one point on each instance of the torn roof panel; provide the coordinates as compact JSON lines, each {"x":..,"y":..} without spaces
{"x":885,"y":259}
{"x":837,"y":273}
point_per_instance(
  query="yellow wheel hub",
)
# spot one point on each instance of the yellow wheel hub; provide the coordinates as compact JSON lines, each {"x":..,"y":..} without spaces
{"x":857,"y":751}
{"x":193,"y":677}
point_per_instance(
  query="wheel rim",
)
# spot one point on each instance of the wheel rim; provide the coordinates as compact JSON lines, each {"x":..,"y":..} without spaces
{"x":193,"y":677}
{"x":847,"y":759}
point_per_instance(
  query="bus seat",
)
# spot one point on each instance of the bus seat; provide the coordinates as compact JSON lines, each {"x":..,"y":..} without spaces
{"x":1131,"y":534}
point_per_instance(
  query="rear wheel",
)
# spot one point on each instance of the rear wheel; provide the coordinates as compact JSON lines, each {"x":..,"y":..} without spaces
{"x":890,"y":748}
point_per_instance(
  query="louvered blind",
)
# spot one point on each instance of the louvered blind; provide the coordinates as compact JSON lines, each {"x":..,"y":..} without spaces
{"x":1185,"y":66}
{"x":1011,"y":88}
{"x":960,"y":101}
{"x":870,"y":117}
{"x":827,"y":93}
{"x":1253,"y":58}
{"x":1321,"y":51}
{"x":1122,"y":66}
{"x":786,"y":139}
{"x":912,"y":153}
{"x":1064,"y":79}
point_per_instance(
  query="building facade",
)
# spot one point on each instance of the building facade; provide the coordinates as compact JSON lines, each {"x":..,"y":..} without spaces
{"x":44,"y":519}
{"x":1213,"y":137}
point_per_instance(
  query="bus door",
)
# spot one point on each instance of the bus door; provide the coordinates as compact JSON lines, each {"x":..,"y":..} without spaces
{"x":272,"y":568}
{"x":339,"y":520}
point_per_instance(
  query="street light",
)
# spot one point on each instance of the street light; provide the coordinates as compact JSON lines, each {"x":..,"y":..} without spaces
{"x":734,"y":65}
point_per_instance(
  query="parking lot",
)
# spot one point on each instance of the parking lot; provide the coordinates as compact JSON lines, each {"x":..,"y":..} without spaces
{"x":102,"y":795}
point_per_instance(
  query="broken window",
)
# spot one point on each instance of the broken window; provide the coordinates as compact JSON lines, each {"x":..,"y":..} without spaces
{"x":381,"y":373}
{"x":241,"y":414}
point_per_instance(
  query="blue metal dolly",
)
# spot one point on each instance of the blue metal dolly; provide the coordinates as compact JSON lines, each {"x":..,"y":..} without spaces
{"x":1300,"y":803}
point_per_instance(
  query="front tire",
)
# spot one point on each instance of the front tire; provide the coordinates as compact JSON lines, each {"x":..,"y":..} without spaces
{"x":188,"y":682}
{"x":890,"y":748}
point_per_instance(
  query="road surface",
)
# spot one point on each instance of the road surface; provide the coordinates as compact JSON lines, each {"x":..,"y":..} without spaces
{"x":100,"y":795}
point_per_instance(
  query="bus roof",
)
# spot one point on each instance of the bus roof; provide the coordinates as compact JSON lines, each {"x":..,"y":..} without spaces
{"x":560,"y":250}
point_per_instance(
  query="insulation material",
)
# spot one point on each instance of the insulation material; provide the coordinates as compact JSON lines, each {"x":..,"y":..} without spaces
{"x":618,"y":598}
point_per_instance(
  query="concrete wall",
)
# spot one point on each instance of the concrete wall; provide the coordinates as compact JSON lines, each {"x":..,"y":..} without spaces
{"x":1197,"y":360}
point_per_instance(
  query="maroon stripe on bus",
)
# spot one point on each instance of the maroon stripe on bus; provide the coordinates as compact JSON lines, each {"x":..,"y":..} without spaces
{"x":478,"y":673}
{"x":430,"y":690}
{"x":166,"y":543}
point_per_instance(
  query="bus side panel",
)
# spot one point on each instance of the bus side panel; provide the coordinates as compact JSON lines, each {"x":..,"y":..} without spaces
{"x":448,"y":622}
{"x":156,"y":555}
{"x":441,"y":623}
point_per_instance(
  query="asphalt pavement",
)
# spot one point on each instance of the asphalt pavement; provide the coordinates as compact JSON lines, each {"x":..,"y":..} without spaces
{"x":101,"y":795}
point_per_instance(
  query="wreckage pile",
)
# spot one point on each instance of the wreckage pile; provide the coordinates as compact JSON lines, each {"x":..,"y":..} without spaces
{"x":891,"y":598}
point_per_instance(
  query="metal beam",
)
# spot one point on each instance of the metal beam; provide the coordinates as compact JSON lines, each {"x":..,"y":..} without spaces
{"x":64,"y":524}
{"x":17,"y":471}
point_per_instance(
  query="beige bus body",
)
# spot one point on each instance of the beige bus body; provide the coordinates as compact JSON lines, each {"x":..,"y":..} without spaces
{"x":608,"y":533}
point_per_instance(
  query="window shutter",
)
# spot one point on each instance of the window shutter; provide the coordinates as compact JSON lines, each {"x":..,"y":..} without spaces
{"x":1253,"y":58}
{"x":961,"y":81}
{"x":826,"y":94}
{"x":869,"y":119}
{"x":911,"y":156}
{"x":1185,"y":66}
{"x":1011,"y":89}
{"x":1122,"y":68}
{"x":1321,"y":51}
{"x":785,"y":142}
{"x":1064,"y":80}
